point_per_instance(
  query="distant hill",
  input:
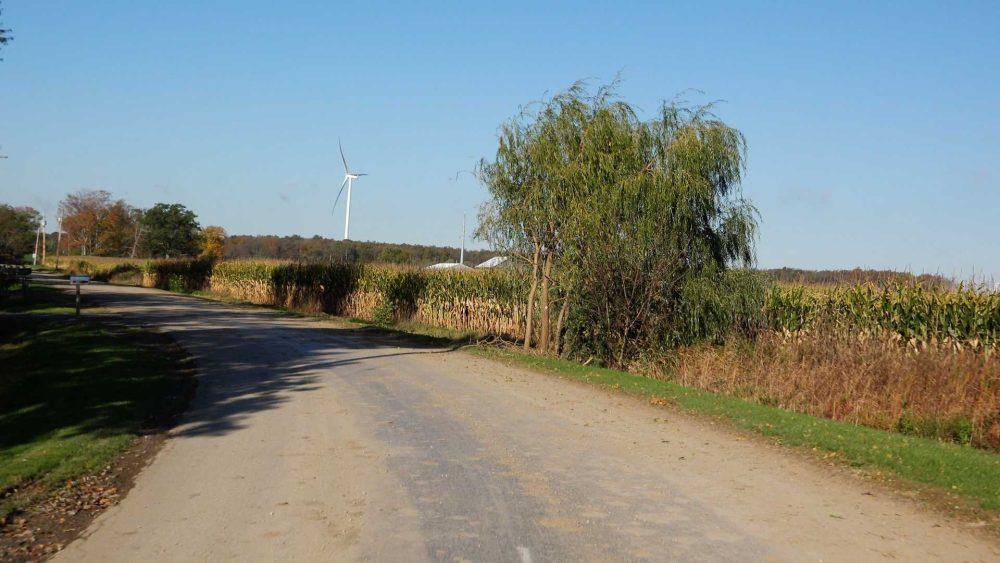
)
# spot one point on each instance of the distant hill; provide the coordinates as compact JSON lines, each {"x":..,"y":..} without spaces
{"x":325,"y":250}
{"x":856,"y":276}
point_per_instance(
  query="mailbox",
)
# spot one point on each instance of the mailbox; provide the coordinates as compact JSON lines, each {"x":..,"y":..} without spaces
{"x":78,"y":281}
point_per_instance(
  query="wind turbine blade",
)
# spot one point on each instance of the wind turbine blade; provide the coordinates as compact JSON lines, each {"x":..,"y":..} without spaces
{"x":346,"y":170}
{"x":338,"y":196}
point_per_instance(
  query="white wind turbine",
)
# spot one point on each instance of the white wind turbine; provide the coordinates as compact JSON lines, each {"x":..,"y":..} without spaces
{"x":349,"y":178}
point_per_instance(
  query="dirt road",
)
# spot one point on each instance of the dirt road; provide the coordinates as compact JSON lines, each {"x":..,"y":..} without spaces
{"x":311,"y":442}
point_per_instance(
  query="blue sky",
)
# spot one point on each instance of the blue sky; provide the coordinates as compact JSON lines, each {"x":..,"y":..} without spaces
{"x":873,"y":128}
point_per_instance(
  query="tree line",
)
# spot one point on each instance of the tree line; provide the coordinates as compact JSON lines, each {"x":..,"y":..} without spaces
{"x":857,"y":276}
{"x":94,"y":223}
{"x":319,"y":249}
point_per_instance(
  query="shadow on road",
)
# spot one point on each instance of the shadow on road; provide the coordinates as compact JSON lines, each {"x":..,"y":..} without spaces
{"x":250,"y":359}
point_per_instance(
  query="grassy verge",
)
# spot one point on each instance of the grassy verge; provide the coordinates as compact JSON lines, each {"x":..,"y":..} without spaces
{"x":72,"y":396}
{"x":39,"y":299}
{"x":963,"y":470}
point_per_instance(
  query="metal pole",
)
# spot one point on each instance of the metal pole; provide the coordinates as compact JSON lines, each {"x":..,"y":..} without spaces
{"x":34,"y":255}
{"x":58,"y":240}
{"x":43,"y":241}
{"x":78,"y":299}
{"x":347,"y":221}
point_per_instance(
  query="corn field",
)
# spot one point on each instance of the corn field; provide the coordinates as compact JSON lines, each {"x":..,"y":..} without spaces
{"x":917,"y":315}
{"x":486,"y":302}
{"x":493,"y":301}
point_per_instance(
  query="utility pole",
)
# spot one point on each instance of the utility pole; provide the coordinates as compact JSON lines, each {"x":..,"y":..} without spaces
{"x":34,"y":255}
{"x":43,"y":241}
{"x":461,"y":257}
{"x":58,"y":238}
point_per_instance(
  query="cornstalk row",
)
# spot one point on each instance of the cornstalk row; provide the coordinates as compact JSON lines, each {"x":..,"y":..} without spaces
{"x":493,"y":302}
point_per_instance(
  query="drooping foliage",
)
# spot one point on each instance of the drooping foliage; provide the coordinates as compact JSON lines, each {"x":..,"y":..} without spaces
{"x":616,"y":215}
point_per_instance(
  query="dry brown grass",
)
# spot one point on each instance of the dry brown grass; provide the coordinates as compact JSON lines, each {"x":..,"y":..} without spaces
{"x":940,"y":391}
{"x":94,"y":261}
{"x":122,"y":271}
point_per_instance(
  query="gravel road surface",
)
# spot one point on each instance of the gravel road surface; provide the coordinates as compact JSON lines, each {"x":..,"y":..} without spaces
{"x":311,"y":442}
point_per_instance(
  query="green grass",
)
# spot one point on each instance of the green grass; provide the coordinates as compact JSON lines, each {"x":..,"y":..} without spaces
{"x":39,"y":299}
{"x":963,"y":470}
{"x":73,"y":395}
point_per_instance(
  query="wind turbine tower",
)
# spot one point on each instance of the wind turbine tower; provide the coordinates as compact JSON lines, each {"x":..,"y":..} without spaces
{"x":349,"y":178}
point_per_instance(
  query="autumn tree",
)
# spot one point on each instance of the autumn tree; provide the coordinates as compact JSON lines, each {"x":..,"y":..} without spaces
{"x":84,"y":214}
{"x":211,"y":241}
{"x":118,"y":232}
{"x":96,"y":224}
{"x":170,"y":230}
{"x":18,"y":226}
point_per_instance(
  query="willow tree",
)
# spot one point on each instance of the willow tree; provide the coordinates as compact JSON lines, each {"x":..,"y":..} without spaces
{"x":663,"y":210}
{"x":510,"y":221}
{"x":530,"y":181}
{"x":616,"y":215}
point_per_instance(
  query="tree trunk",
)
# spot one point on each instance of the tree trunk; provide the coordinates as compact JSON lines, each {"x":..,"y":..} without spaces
{"x":558,"y":348}
{"x":530,"y":310}
{"x":135,"y":241}
{"x":543,"y":340}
